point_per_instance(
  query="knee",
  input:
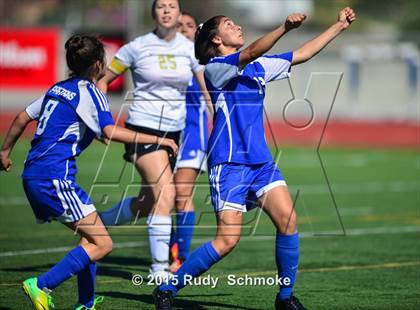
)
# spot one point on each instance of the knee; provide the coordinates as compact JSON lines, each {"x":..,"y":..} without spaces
{"x":183,"y":201}
{"x":226,"y":244}
{"x":184,"y":190}
{"x":289,"y":222}
{"x":166,"y":199}
{"x":105,"y":246}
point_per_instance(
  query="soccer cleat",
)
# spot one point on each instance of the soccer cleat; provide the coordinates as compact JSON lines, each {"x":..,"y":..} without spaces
{"x":163,"y":299}
{"x":289,"y":304}
{"x":174,"y":252}
{"x":39,"y":298}
{"x":97,"y":300}
{"x":159,"y":276}
{"x":176,"y":264}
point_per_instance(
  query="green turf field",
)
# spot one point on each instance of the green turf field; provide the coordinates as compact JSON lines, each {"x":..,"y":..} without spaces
{"x":374,"y":263}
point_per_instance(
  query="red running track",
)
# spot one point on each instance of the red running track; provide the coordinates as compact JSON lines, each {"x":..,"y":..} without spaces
{"x":337,"y":133}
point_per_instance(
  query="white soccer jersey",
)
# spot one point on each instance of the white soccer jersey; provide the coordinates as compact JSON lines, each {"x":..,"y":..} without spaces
{"x":161,"y":72}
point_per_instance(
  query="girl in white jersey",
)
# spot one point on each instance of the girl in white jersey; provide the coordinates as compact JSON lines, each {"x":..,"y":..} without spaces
{"x":162,"y":64}
{"x":242,"y":172}
{"x":70,"y":114}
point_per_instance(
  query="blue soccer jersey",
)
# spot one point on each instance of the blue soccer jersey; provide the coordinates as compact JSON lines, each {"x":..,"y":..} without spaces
{"x":195,"y":131}
{"x":70,"y":115}
{"x":238,"y":100}
{"x":195,"y":134}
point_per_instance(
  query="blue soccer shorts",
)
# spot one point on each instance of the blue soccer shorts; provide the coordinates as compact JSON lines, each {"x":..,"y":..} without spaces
{"x":192,"y":158}
{"x":61,"y":200}
{"x":237,"y":187}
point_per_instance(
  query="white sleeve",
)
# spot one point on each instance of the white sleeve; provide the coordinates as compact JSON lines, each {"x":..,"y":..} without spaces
{"x":195,"y":66}
{"x":127,"y":54}
{"x":93,"y":109}
{"x":276,"y":67}
{"x":34,"y":109}
{"x":221,"y":70}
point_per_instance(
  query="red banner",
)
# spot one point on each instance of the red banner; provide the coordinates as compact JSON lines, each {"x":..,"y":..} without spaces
{"x":112,"y":45}
{"x":28,"y":57}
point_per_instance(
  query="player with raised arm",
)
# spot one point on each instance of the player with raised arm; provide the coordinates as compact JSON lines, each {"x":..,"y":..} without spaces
{"x":242,"y":172}
{"x":162,"y":64}
{"x":70,"y":115}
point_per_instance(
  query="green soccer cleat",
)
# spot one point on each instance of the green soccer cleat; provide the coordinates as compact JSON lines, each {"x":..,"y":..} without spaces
{"x":97,"y":300}
{"x":39,"y":298}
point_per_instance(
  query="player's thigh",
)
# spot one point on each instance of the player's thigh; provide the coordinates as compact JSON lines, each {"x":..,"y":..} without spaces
{"x":278,"y":205}
{"x":155,"y":169}
{"x":92,"y":230}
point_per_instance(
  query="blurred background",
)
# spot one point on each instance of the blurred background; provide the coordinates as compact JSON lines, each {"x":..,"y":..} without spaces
{"x":374,"y":65}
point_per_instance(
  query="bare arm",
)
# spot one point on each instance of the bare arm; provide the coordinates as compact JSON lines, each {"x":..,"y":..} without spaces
{"x":15,"y":131}
{"x":124,"y":135}
{"x":313,"y":47}
{"x":200,"y":78}
{"x":265,"y":43}
{"x":106,"y":80}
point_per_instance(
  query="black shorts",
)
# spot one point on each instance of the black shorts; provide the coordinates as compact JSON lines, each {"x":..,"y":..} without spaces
{"x":142,"y":149}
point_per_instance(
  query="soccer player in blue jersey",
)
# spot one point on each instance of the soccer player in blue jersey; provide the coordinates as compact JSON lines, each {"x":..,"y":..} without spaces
{"x":191,"y":159}
{"x":242,"y":171}
{"x":70,"y":115}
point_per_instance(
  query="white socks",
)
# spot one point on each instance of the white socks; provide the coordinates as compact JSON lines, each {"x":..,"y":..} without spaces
{"x":159,"y":228}
{"x":119,"y":214}
{"x":159,"y":235}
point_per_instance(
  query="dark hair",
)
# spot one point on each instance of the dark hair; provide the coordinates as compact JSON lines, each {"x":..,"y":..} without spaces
{"x":154,"y":7}
{"x":82,"y":53}
{"x":205,"y":49}
{"x":190,"y":15}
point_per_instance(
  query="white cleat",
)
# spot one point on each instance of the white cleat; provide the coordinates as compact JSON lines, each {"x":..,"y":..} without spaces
{"x":159,"y":277}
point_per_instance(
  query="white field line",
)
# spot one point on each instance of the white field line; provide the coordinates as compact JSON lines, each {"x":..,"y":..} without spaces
{"x":308,"y":189}
{"x":303,"y":235}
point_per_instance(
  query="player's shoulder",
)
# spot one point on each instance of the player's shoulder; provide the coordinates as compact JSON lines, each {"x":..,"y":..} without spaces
{"x":182,"y":46}
{"x":86,"y":91}
{"x":288,"y":56}
{"x":181,"y":39}
{"x":139,"y":41}
{"x":66,"y":89}
{"x":232,"y":59}
{"x":145,"y":39}
{"x":98,"y":96}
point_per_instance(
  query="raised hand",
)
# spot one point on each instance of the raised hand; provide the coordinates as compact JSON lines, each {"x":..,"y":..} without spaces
{"x":294,"y":20}
{"x":346,"y":17}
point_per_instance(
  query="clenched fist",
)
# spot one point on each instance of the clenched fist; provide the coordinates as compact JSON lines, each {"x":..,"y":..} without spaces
{"x":294,"y":20}
{"x":346,"y":17}
{"x":5,"y":162}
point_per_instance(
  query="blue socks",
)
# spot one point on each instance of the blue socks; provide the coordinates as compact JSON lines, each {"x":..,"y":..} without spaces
{"x":199,"y":261}
{"x":119,"y":214}
{"x":287,"y":259}
{"x":74,"y":262}
{"x":184,"y":231}
{"x":86,"y":285}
